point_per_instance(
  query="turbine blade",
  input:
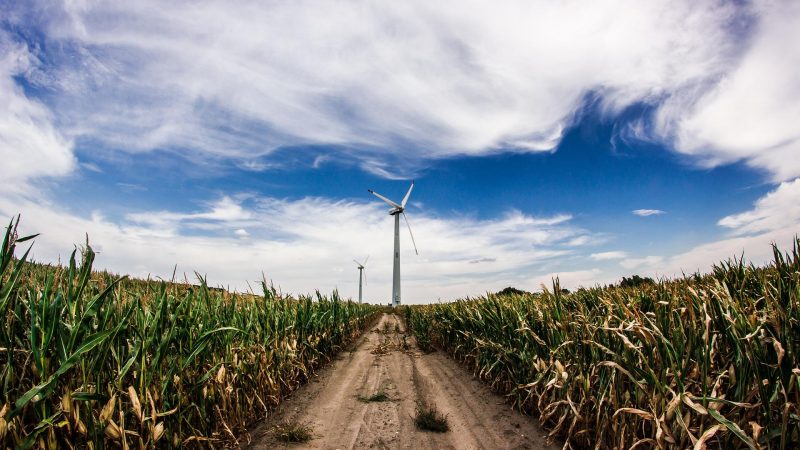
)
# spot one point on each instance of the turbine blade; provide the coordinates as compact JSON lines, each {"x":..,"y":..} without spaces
{"x":365,"y":261}
{"x":365,"y":276}
{"x":408,"y":194}
{"x":384,"y":199}
{"x":412,"y":234}
{"x":357,"y":262}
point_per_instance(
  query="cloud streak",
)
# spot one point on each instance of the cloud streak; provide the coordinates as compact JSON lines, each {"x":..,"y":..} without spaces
{"x":608,"y":256}
{"x":647,"y":212}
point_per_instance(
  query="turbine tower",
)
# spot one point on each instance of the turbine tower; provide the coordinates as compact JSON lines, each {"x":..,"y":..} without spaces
{"x":396,"y":211}
{"x":360,"y":275}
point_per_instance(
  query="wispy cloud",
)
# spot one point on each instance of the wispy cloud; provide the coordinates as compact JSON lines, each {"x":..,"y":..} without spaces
{"x":132,"y":187}
{"x":319,"y":161}
{"x":778,"y":209}
{"x":749,"y":114}
{"x":388,"y":87}
{"x":647,"y":212}
{"x":308,"y":243}
{"x":483,"y":260}
{"x":92,"y":167}
{"x":573,"y":278}
{"x":257,"y":166}
{"x":647,"y":261}
{"x":607,"y":256}
{"x":30,"y":144}
{"x":409,"y":81}
{"x":233,"y":238}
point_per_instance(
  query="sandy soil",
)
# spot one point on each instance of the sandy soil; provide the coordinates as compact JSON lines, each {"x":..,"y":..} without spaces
{"x":380,"y":362}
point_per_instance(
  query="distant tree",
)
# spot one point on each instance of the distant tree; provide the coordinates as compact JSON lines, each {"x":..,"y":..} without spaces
{"x":512,"y":291}
{"x":564,"y":291}
{"x":636,"y":281}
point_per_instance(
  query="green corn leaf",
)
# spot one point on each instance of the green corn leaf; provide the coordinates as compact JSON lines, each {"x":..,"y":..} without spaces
{"x":202,"y":342}
{"x":732,"y":427}
{"x":88,"y":345}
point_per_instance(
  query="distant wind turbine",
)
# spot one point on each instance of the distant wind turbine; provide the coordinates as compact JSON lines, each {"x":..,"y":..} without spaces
{"x":361,"y":275}
{"x":396,"y":211}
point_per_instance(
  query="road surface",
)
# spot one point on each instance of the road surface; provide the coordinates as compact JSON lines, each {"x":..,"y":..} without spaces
{"x":381,"y":363}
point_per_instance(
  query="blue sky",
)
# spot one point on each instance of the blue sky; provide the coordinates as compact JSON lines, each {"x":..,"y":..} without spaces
{"x":587,"y":142}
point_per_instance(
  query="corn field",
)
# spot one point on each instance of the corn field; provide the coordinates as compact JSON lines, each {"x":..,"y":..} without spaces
{"x":90,"y":360}
{"x":701,"y":362}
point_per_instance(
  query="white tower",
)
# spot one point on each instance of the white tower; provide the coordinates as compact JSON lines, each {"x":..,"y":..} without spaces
{"x":396,"y":211}
{"x":361,"y":275}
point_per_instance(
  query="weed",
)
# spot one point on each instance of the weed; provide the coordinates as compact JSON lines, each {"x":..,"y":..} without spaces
{"x":428,"y":418}
{"x":292,"y":431}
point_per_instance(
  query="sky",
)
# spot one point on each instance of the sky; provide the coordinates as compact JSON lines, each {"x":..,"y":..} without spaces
{"x":580,"y":140}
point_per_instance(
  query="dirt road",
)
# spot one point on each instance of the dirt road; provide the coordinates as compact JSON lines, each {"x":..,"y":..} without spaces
{"x":334,"y":405}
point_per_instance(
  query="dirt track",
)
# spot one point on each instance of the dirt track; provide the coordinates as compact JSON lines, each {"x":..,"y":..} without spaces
{"x":380,"y":362}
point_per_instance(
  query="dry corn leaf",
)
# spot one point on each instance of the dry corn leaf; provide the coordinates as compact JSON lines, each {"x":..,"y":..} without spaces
{"x":136,"y":406}
{"x":107,"y":410}
{"x":709,"y":433}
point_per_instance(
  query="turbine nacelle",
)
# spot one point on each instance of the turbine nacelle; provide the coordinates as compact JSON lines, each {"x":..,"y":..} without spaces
{"x":361,"y":265}
{"x":396,"y":209}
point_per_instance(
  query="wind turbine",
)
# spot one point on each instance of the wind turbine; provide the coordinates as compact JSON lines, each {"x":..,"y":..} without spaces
{"x":396,"y":211}
{"x":360,"y":275}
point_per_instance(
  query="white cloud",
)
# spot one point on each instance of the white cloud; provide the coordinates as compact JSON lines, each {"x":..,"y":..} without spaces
{"x":775,"y":218}
{"x":226,"y":210}
{"x":606,"y":256}
{"x":307,"y":244}
{"x":572,"y":279}
{"x":779,"y":209}
{"x":319,"y":161}
{"x":386,"y":82}
{"x":30,"y":146}
{"x":414,"y":79}
{"x":647,"y":212}
{"x":751,"y":112}
{"x":647,"y":261}
{"x":92,"y":167}
{"x":257,"y":166}
{"x":579,"y":241}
